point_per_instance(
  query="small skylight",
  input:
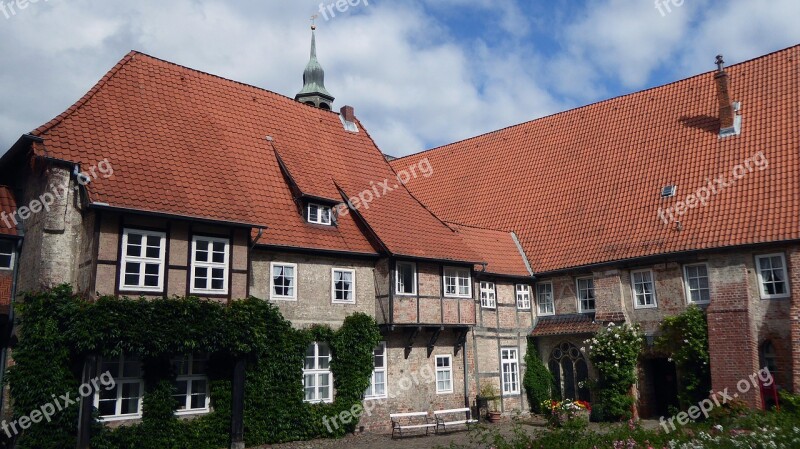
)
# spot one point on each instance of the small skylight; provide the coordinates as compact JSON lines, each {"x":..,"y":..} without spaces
{"x":669,"y":191}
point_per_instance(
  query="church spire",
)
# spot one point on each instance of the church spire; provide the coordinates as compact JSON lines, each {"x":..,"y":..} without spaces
{"x":314,"y":92}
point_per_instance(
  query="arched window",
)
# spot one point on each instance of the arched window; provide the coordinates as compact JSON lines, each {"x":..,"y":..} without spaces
{"x":570,"y":372}
{"x":767,"y":357}
{"x":325,"y":106}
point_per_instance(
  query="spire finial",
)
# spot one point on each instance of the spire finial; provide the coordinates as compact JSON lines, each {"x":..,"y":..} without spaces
{"x":314,"y":22}
{"x":720,"y":63}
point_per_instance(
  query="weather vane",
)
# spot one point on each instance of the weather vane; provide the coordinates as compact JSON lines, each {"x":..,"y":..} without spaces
{"x":314,"y":22}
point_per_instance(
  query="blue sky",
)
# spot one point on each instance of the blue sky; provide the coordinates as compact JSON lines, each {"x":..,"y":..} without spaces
{"x":419,"y":73}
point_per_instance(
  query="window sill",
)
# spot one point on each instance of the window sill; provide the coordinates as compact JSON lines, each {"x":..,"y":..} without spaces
{"x":547,"y":314}
{"x":458,"y":297}
{"x":282,"y":299}
{"x":344,"y":303}
{"x":105,"y":419}
{"x":770,"y":297}
{"x":144,"y":290}
{"x":645,"y":307}
{"x":376,"y":398}
{"x":191,"y":412}
{"x":209,"y":292}
{"x":405,"y":294}
{"x":444,"y":392}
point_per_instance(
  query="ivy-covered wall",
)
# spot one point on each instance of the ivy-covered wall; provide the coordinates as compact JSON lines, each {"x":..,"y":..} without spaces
{"x":58,"y":330}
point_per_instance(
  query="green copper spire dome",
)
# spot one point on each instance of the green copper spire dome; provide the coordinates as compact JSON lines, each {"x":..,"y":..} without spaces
{"x":314,"y":92}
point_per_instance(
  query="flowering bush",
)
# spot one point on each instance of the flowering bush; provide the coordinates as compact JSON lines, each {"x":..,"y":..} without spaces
{"x":614,"y":352}
{"x":567,"y":412}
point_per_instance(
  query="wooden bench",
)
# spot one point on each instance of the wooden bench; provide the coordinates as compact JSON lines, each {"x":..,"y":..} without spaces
{"x":413,"y":421}
{"x":448,"y":418}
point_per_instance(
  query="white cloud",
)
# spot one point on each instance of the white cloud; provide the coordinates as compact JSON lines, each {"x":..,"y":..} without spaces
{"x":414,"y":78}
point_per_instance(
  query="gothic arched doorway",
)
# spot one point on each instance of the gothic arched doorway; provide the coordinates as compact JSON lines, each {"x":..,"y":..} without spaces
{"x":570,"y":372}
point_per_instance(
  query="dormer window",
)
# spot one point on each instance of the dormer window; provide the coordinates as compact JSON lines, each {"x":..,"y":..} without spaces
{"x":318,"y":214}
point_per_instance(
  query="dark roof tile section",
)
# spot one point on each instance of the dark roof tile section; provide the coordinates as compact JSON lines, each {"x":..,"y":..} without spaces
{"x":187,"y":143}
{"x":583,"y":187}
{"x":565,"y":325}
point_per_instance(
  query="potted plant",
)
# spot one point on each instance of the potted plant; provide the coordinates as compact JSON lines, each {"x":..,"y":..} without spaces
{"x":490,"y":394}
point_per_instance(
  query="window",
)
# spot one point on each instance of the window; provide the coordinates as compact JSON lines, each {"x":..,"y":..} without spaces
{"x":697,"y":289}
{"x":191,"y":383}
{"x":124,"y":401}
{"x":644,"y":290}
{"x":772,"y":276}
{"x":570,"y":372}
{"x":768,"y":359}
{"x":317,"y":381}
{"x":143,"y":254}
{"x":6,"y":255}
{"x":444,"y":374}
{"x":406,"y":278}
{"x":523,"y":297}
{"x":488,"y":295}
{"x":457,"y":282}
{"x":509,"y":368}
{"x":284,"y":281}
{"x":377,"y":385}
{"x":210,"y":265}
{"x":544,"y":298}
{"x":585,"y":295}
{"x":344,"y":286}
{"x":318,"y":214}
{"x":669,"y":191}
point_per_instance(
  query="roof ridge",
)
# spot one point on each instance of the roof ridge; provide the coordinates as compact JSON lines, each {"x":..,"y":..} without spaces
{"x":484,"y":228}
{"x":240,"y":83}
{"x":589,"y":105}
{"x":86,"y":97}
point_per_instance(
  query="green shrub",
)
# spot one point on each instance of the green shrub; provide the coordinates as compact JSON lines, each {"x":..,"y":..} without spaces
{"x":538,"y":379}
{"x":614,"y":352}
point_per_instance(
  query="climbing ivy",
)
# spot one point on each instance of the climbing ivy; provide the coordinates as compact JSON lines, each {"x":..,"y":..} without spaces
{"x":685,"y":339}
{"x":59,"y":329}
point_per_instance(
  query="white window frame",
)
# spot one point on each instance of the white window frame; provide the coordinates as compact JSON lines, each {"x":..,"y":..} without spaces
{"x":509,"y":366}
{"x":189,"y":378}
{"x":578,"y":290}
{"x":210,"y":265}
{"x":143,"y":261}
{"x":444,"y":370}
{"x":272,"y":295}
{"x":352,"y":286}
{"x":488,"y":295}
{"x":369,"y":394}
{"x":119,"y":381}
{"x":456,"y":273}
{"x":636,"y":296}
{"x":318,"y":372}
{"x":688,"y":286}
{"x":539,"y":300}
{"x":12,"y":255}
{"x":320,"y":215}
{"x":785,"y":272}
{"x":523,"y":296}
{"x":413,"y":267}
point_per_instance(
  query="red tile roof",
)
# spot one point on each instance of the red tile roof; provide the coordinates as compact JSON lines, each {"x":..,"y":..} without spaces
{"x":8,"y":206}
{"x":583,"y":187}
{"x":497,"y":248}
{"x":565,"y":325}
{"x":187,"y":143}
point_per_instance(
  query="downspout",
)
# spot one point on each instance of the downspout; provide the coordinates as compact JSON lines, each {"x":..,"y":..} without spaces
{"x":6,"y":340}
{"x":466,"y":372}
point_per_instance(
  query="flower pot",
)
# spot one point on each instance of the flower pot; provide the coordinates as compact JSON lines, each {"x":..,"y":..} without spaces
{"x":493,"y":417}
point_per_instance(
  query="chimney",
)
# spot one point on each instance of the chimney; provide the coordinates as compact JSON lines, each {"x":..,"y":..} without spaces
{"x":730,"y":123}
{"x":348,"y":113}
